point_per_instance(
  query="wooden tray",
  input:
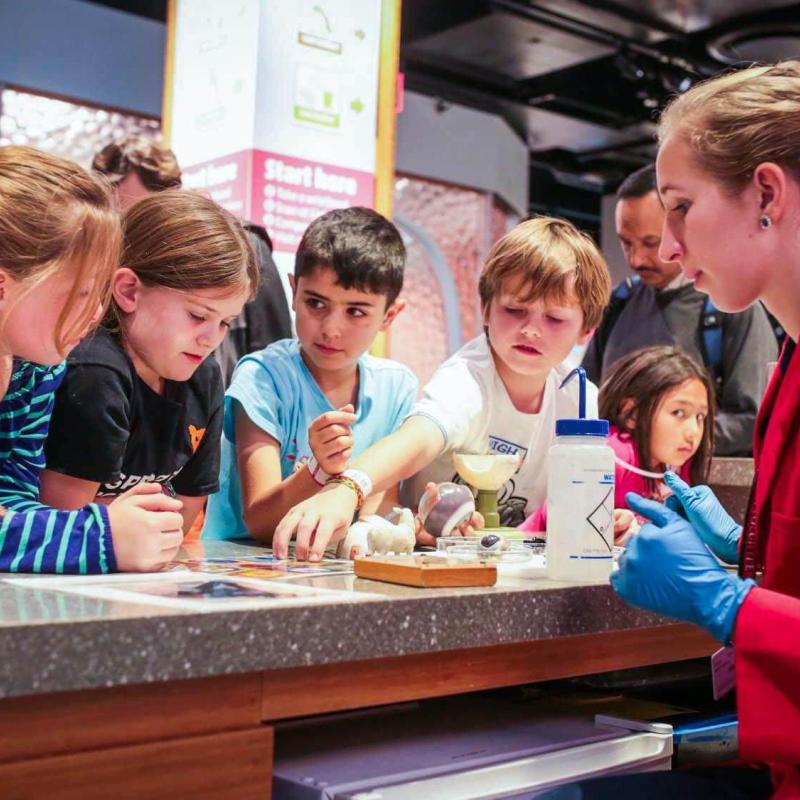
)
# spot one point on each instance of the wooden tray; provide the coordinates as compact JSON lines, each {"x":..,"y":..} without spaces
{"x":424,"y":571}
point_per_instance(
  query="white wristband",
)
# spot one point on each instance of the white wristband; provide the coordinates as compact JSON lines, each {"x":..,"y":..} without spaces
{"x":317,"y":473}
{"x":361,"y":478}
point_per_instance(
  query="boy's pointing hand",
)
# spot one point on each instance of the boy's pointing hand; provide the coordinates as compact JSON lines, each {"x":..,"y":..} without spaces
{"x":316,"y":522}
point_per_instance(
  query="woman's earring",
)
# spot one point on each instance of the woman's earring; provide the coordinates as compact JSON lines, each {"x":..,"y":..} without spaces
{"x":765,"y":221}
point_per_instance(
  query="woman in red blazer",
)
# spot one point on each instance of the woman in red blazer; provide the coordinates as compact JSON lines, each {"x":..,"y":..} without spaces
{"x":729,"y":178}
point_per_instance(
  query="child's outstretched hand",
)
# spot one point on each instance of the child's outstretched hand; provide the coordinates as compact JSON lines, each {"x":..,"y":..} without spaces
{"x":467,"y":528}
{"x":625,"y":525}
{"x":331,"y":439}
{"x":146,"y":528}
{"x":319,"y":520}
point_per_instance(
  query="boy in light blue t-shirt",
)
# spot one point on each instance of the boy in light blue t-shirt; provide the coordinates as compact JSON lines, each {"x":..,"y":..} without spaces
{"x":297,"y":411}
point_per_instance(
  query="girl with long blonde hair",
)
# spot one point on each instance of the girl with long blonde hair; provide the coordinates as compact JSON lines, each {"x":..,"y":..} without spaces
{"x":59,"y":246}
{"x":142,"y":400}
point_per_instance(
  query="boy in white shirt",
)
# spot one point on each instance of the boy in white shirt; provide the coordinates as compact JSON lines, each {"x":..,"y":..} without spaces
{"x":543,"y":289}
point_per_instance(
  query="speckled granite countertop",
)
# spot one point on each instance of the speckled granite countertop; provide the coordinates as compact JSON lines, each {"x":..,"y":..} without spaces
{"x":53,"y":641}
{"x":731,"y":479}
{"x":732,"y":471}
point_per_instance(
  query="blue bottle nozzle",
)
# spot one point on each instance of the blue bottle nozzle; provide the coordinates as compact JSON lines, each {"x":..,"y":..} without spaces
{"x":581,"y":373}
{"x":580,"y":426}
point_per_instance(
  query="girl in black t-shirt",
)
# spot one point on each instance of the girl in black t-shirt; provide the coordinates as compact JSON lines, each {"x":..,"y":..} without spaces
{"x":141,"y":400}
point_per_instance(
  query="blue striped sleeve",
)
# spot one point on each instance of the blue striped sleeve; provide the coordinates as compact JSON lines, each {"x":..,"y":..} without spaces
{"x":24,"y":420}
{"x":48,"y":540}
{"x":35,"y":537}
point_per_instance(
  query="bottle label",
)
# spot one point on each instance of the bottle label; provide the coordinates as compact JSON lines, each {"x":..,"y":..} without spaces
{"x":596,"y":491}
{"x":580,"y":514}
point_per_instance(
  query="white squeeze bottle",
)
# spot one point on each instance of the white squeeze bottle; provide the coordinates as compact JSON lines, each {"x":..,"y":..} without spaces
{"x":580,"y":497}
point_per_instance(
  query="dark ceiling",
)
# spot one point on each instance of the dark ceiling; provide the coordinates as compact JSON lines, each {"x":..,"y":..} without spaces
{"x":152,"y":9}
{"x":580,"y":81}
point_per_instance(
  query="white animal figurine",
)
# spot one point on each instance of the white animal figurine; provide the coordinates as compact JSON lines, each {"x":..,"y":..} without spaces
{"x":355,"y":542}
{"x":374,"y":535}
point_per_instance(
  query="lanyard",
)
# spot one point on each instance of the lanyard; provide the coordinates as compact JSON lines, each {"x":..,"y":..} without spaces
{"x":748,"y":551}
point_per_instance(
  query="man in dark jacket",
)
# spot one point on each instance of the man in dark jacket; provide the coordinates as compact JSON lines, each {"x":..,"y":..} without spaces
{"x":659,"y":305}
{"x":266,"y":318}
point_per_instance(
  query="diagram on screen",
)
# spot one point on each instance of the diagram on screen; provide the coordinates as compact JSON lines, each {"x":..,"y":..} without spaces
{"x":316,"y":96}
{"x":316,"y":31}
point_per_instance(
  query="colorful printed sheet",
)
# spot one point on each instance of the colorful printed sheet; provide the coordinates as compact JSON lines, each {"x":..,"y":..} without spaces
{"x":265,"y":567}
{"x":190,"y":590}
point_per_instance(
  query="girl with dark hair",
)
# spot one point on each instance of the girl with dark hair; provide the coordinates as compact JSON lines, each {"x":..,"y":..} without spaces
{"x":660,"y":406}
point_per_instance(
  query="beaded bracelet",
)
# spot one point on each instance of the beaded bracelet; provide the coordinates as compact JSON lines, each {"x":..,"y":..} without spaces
{"x":350,"y":484}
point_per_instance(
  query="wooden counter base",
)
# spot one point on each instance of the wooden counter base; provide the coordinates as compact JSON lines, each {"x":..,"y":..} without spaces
{"x":225,"y":765}
{"x":211,"y":738}
{"x":337,"y":687}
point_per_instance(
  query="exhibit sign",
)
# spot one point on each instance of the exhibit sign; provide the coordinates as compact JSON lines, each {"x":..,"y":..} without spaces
{"x":272,"y":106}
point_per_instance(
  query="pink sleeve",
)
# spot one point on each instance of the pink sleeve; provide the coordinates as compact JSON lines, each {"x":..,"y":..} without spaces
{"x":536,"y":522}
{"x":624,"y":480}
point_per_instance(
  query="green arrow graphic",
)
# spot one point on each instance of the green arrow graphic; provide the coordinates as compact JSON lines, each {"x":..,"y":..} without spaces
{"x":357,"y":106}
{"x":324,"y":16}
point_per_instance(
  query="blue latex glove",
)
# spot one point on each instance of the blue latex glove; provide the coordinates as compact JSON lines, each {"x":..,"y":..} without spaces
{"x":712,"y":522}
{"x":667,"y":568}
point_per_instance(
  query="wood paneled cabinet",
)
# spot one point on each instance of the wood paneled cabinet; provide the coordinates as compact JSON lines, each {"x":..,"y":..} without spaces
{"x":212,"y":738}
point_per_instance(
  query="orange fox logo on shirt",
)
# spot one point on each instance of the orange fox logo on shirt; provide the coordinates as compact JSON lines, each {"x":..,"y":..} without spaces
{"x":196,"y":436}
